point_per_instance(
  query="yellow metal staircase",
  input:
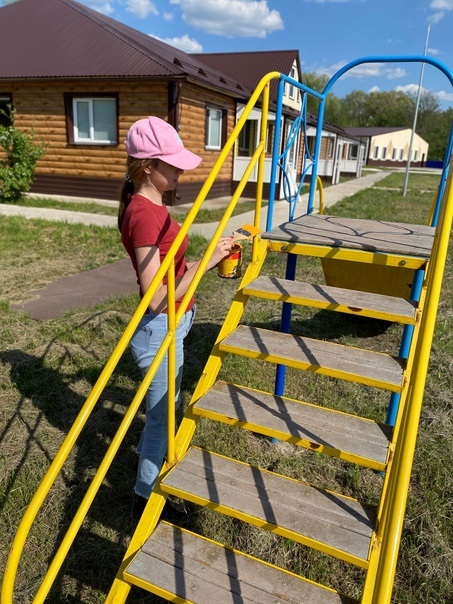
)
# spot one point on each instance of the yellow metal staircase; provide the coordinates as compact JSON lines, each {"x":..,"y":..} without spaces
{"x":184,"y":567}
{"x":369,"y":266}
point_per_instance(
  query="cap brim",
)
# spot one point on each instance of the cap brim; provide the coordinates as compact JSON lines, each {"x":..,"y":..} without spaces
{"x":183,"y":159}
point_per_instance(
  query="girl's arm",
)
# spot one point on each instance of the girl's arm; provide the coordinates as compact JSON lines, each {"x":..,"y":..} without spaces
{"x":148,"y":262}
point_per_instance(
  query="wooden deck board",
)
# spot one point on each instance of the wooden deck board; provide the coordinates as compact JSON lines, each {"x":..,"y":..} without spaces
{"x":205,"y":572}
{"x":355,"y":233}
{"x":363,"y":439}
{"x":345,"y":362}
{"x":289,"y":507}
{"x":385,"y":307}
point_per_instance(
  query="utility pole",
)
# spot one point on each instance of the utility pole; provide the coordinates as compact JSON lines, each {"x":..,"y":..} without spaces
{"x":417,"y":103}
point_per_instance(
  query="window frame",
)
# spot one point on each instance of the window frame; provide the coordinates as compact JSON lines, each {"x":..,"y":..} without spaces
{"x":70,"y":101}
{"x":353,"y":151}
{"x":330,"y":146}
{"x":222,"y":130}
{"x":309,"y":144}
{"x":247,"y":138}
{"x":7,"y":99}
{"x":270,"y":134}
{"x":291,"y":88}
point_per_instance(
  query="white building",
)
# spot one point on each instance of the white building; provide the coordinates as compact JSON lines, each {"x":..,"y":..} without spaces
{"x":390,"y":146}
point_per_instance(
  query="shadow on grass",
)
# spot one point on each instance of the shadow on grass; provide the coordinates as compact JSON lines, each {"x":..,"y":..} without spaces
{"x":97,"y":551}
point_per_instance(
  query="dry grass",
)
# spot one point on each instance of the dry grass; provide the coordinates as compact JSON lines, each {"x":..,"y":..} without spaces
{"x":47,"y":369}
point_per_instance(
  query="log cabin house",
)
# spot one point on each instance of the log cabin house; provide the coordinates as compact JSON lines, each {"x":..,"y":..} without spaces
{"x":79,"y":79}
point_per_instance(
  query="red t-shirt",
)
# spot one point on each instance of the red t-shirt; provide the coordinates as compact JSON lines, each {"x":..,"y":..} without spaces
{"x":145,"y":223}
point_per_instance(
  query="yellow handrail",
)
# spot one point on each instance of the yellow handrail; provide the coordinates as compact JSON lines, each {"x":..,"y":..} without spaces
{"x":404,"y":452}
{"x":171,"y":369}
{"x":321,"y":194}
{"x":93,"y":397}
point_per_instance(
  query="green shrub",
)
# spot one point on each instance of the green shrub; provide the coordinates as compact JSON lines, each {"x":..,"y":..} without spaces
{"x":18,"y":161}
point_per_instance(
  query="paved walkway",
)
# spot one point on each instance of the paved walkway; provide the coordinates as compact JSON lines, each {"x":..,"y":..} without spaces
{"x":91,"y":287}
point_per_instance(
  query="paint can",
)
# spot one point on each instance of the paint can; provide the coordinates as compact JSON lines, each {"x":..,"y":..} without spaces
{"x":230,"y":266}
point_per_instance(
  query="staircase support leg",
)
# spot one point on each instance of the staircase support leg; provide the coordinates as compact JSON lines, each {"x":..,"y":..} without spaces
{"x":405,"y":345}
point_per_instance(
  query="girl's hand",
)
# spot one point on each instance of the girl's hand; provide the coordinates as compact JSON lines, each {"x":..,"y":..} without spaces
{"x":222,"y":250}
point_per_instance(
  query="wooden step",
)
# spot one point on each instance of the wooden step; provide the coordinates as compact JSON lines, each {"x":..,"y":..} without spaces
{"x":356,"y":439}
{"x":326,"y":358}
{"x":327,"y":521}
{"x":377,"y":306}
{"x":176,"y":562}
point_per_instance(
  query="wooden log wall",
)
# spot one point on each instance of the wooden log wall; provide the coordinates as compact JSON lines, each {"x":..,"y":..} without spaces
{"x":40,"y":106}
{"x":192,"y":119}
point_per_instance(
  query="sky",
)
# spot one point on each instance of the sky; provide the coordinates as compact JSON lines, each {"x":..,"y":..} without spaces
{"x":327,"y":33}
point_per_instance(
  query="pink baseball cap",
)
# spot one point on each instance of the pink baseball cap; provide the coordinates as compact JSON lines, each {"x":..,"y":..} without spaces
{"x":152,"y":137}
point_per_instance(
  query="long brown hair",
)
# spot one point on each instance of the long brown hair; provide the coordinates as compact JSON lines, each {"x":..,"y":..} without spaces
{"x":134,"y":178}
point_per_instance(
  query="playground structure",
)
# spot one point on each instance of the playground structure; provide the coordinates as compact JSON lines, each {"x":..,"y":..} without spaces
{"x":368,"y":266}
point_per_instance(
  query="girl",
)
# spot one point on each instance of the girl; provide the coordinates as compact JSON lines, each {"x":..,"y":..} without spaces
{"x":156,"y":159}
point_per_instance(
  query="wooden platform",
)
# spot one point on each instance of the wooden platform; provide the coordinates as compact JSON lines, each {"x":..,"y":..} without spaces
{"x":355,"y":233}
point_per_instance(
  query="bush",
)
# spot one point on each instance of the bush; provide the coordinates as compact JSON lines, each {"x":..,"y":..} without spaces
{"x":21,"y":153}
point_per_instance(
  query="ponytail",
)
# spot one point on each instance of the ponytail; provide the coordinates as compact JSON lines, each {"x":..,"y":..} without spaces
{"x":126,"y":193}
{"x":135,"y":176}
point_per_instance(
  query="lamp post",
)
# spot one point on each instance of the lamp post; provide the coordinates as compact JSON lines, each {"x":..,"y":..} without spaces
{"x":417,"y":103}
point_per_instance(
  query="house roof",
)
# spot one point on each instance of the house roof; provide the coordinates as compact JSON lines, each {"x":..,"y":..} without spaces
{"x":64,"y":39}
{"x":372,"y":131}
{"x":250,"y":67}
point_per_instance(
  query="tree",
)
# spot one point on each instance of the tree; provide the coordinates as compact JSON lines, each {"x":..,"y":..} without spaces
{"x":390,"y":109}
{"x":332,"y":111}
{"x":355,"y":109}
{"x":385,"y":109}
{"x":437,"y":132}
{"x":428,"y":113}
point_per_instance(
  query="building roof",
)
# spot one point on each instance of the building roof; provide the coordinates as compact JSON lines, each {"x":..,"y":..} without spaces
{"x":373,"y":131}
{"x":64,"y":39}
{"x":250,"y":67}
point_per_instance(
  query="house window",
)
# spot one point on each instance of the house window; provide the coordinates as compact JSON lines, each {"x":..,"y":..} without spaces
{"x":401,"y":154}
{"x":376,"y":153}
{"x":384,"y":153}
{"x":353,"y":151}
{"x":291,"y":86}
{"x":95,"y":120}
{"x":5,"y":110}
{"x":270,"y":138}
{"x":394,"y":153}
{"x":214,"y":127}
{"x":415,"y":155}
{"x":329,"y":147}
{"x":247,"y":139}
{"x":311,"y":140}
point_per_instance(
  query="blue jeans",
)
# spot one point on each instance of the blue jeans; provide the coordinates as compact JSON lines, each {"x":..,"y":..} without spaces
{"x":153,"y":442}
